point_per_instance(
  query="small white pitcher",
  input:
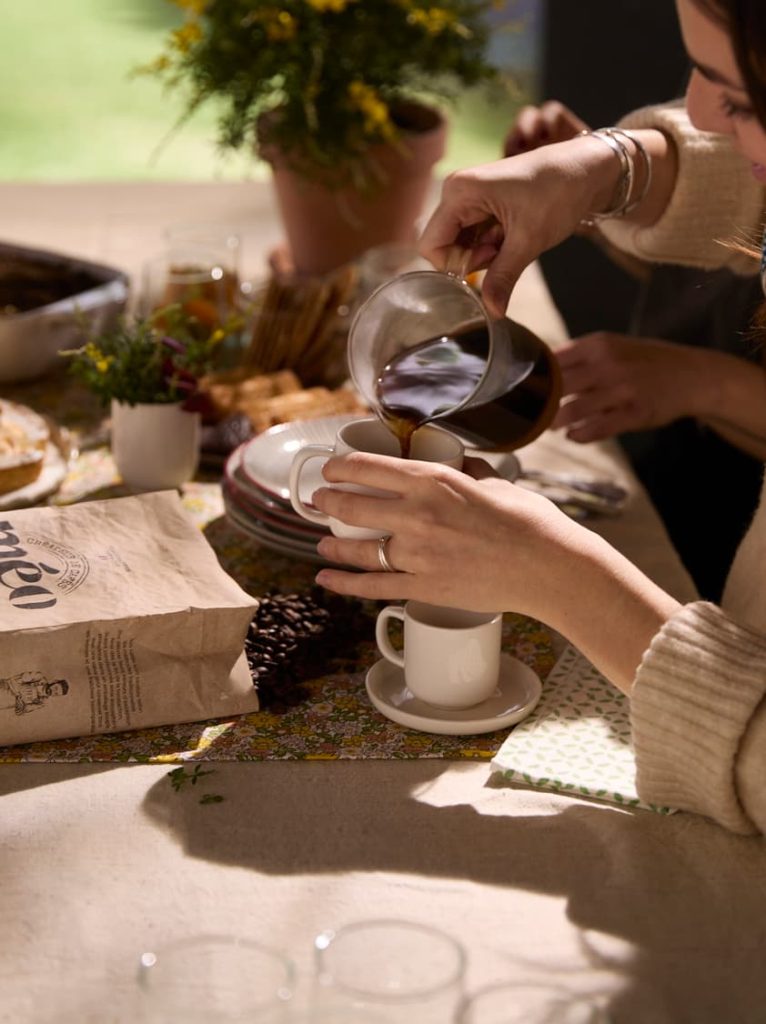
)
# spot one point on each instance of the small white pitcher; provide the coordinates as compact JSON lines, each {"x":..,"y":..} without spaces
{"x":155,"y":445}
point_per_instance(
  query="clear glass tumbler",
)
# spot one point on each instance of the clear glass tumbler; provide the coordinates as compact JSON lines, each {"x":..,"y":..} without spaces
{"x":529,"y":1003}
{"x":400,"y":971}
{"x":190,"y":279}
{"x":221,"y":978}
{"x":223,"y":244}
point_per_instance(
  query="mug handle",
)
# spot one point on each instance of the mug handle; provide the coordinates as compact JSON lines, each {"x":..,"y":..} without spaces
{"x":308,"y":451}
{"x":387,"y":649}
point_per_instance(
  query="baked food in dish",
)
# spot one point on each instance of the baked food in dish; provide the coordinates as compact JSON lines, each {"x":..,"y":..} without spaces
{"x":24,"y":437}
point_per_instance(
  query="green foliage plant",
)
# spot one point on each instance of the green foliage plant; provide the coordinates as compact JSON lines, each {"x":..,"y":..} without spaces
{"x":336,"y":77}
{"x":153,"y":360}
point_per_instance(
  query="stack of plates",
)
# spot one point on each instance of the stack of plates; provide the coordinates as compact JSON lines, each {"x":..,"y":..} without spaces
{"x":256,"y":484}
{"x":256,"y":489}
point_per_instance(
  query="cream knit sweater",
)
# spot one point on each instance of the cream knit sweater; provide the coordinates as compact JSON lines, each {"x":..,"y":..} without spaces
{"x":699,"y":697}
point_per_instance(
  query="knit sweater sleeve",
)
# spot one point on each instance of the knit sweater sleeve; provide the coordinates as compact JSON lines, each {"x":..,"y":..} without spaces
{"x":716,"y":201}
{"x":699,"y":719}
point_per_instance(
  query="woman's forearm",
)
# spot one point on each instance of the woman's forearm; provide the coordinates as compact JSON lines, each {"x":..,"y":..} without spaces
{"x":533,"y":201}
{"x":740,"y":437}
{"x":732,"y":400}
{"x":607,"y":608}
{"x":473,"y":540}
{"x":663,"y":158}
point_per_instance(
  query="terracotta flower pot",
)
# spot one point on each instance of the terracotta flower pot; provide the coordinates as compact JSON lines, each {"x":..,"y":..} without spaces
{"x":327,"y":227}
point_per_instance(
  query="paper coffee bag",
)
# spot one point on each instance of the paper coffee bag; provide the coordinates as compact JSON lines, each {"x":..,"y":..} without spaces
{"x":116,"y":615}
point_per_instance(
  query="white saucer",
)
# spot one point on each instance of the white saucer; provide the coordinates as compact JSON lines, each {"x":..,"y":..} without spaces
{"x":517,"y":693}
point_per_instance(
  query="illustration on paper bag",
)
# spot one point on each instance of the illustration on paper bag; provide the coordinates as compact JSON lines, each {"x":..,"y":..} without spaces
{"x":29,"y":691}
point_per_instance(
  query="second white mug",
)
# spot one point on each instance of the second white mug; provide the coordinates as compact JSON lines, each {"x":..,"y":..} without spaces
{"x":450,"y":657}
{"x":429,"y":444}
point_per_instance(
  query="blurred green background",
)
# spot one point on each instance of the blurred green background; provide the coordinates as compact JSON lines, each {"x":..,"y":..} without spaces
{"x":70,"y":109}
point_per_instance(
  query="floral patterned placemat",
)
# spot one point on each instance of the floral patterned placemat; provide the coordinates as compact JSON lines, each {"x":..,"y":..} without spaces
{"x":327,"y":716}
{"x":577,"y":740}
{"x":332,"y":718}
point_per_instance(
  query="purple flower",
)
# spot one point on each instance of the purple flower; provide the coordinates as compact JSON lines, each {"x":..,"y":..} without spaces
{"x":182,"y":380}
{"x":174,"y":344}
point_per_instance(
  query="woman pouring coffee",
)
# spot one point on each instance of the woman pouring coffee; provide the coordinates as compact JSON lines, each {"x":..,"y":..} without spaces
{"x":659,"y":186}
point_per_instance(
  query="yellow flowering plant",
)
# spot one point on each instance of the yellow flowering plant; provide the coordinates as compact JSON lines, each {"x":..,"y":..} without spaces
{"x":154,"y":360}
{"x":335,"y":76}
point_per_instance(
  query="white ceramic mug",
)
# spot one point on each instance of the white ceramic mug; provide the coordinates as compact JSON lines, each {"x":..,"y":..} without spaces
{"x":429,"y":444}
{"x":450,"y":658}
{"x":155,"y":446}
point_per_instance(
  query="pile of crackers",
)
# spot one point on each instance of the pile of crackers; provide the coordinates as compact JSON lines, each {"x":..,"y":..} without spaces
{"x":270,"y":398}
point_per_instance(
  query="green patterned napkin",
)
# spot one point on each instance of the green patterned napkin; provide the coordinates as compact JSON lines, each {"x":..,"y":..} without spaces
{"x":577,"y":740}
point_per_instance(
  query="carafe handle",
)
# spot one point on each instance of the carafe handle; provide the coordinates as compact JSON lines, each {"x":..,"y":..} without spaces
{"x":467,"y":239}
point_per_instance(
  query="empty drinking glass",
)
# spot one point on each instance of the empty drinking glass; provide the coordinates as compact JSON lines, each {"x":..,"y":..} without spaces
{"x":212,"y":237}
{"x":330,"y":1015}
{"x":221,"y":978}
{"x":529,"y":1003}
{"x":400,"y":971}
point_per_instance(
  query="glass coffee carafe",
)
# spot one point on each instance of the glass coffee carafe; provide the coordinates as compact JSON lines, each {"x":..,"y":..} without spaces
{"x":422,"y":347}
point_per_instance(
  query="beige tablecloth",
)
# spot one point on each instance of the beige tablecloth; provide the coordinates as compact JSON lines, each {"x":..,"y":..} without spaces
{"x":662,"y":916}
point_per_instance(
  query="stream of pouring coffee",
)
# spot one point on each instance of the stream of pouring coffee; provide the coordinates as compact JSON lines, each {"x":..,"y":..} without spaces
{"x":430,"y":378}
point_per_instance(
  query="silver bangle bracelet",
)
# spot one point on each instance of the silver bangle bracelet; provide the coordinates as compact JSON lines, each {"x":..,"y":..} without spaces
{"x":627,"y":166}
{"x":636,"y":201}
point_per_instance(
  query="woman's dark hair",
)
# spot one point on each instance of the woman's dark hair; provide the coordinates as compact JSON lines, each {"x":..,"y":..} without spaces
{"x":745,"y":21}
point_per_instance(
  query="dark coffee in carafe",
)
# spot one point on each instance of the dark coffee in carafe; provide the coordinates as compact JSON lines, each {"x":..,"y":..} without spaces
{"x":431,"y":380}
{"x":427,"y":380}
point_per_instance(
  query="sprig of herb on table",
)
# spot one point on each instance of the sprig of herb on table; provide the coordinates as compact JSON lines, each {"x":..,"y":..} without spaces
{"x":180,"y":777}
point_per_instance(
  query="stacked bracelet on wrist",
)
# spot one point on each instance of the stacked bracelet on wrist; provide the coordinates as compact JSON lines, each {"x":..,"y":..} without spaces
{"x":625,"y":200}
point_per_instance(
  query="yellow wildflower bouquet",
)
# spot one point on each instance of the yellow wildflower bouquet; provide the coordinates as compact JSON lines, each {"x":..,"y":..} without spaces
{"x":158,"y":359}
{"x":333,"y":75}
